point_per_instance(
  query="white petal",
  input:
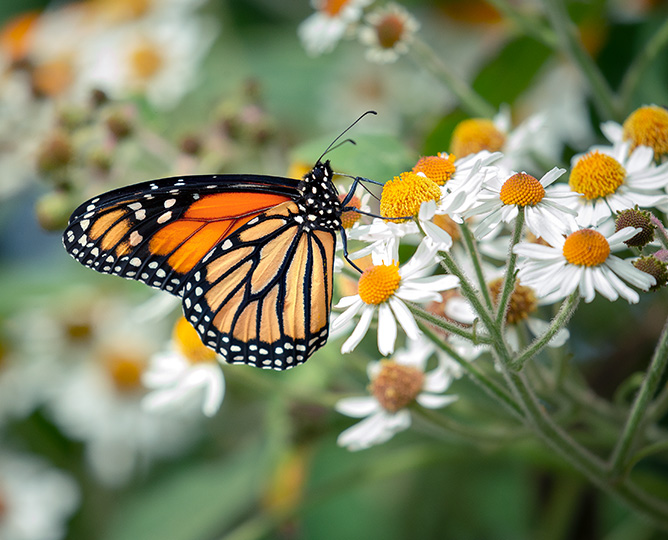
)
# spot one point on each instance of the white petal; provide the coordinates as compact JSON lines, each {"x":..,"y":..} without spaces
{"x":434,"y":401}
{"x":357,"y":407}
{"x":360,"y":330}
{"x":387,"y":330}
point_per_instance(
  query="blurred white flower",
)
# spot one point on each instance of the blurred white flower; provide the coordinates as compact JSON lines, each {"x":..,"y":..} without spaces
{"x":321,"y":32}
{"x":395,"y":384}
{"x":188,"y":375}
{"x":36,"y":500}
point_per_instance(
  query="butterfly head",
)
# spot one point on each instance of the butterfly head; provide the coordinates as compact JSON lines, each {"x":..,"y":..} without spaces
{"x":319,"y":200}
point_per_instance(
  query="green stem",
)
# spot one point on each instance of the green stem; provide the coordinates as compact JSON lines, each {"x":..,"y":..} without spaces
{"x":529,"y":26}
{"x":467,"y":289}
{"x":588,"y":464}
{"x":472,"y":249}
{"x":639,"y":65}
{"x":509,"y":280}
{"x":470,"y":101}
{"x":636,"y":418}
{"x":449,"y":327}
{"x":489,"y":385}
{"x":564,"y":314}
{"x":566,"y":32}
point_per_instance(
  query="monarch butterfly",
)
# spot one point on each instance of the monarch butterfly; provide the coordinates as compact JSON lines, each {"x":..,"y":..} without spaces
{"x":251,"y":256}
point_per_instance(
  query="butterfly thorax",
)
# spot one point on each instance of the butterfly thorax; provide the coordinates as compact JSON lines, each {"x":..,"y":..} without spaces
{"x":318,"y":201}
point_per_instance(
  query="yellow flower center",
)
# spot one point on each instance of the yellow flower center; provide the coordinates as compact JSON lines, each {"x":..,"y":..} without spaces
{"x":189,"y":343}
{"x":145,"y":60}
{"x":396,"y":386}
{"x":350,"y":217}
{"x":476,"y":134}
{"x":390,"y":30}
{"x":403,"y":195}
{"x":522,"y":189}
{"x":586,"y":247}
{"x":648,"y":126}
{"x":596,"y":175}
{"x":522,"y":301}
{"x":53,"y":78}
{"x":378,"y":283}
{"x":438,"y":168}
{"x":333,"y":7}
{"x":125,"y":370}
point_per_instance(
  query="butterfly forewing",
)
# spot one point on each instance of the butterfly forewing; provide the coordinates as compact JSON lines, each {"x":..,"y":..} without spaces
{"x":157,"y":232}
{"x":252,"y":256}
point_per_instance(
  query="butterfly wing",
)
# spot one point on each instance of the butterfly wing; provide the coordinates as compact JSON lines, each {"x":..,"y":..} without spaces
{"x":263,"y":295}
{"x":157,"y":232}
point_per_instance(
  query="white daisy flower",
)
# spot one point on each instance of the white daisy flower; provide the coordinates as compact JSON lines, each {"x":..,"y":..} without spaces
{"x":320,"y":32}
{"x":36,"y":500}
{"x":387,"y":33}
{"x":582,"y":261}
{"x":610,"y":179}
{"x":188,"y":375}
{"x":395,"y":384}
{"x":646,"y":126}
{"x":155,"y":58}
{"x":384,"y":288}
{"x":500,"y":200}
{"x":100,"y":404}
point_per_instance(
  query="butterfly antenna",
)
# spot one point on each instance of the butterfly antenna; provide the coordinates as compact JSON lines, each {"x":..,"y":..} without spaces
{"x":343,"y":133}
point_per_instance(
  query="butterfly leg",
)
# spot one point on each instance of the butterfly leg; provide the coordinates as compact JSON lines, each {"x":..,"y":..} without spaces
{"x":344,"y":239}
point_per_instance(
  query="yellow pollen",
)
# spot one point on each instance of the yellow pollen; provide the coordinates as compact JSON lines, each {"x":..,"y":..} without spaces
{"x":390,"y":29}
{"x":403,"y":195}
{"x":396,"y":386}
{"x":522,"y":189}
{"x":333,"y":7}
{"x":378,"y":283}
{"x":145,"y":60}
{"x":438,"y":168}
{"x":476,"y":134}
{"x":586,"y":247}
{"x":648,"y":126}
{"x":125,"y":370}
{"x":596,"y":175}
{"x":350,"y":217}
{"x":189,"y":343}
{"x":53,"y":78}
{"x":522,"y":300}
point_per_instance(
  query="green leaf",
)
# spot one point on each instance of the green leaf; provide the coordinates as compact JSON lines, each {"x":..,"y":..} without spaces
{"x":194,"y":502}
{"x":378,"y":157}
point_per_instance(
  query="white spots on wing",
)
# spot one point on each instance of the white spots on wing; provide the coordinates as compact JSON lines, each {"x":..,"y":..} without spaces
{"x":135,"y":238}
{"x":134,"y":206}
{"x":165,"y":216}
{"x":140,"y":214}
{"x":170,"y":202}
{"x":135,"y":261}
{"x":84,"y":224}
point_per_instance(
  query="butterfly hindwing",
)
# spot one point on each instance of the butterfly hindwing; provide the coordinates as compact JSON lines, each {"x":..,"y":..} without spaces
{"x":263,"y":295}
{"x":157,"y":232}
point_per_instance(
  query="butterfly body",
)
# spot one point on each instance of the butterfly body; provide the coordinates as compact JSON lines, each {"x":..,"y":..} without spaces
{"x":251,"y":256}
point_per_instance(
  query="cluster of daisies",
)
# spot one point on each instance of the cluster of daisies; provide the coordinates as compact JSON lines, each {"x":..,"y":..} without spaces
{"x":487,"y":234}
{"x":386,"y":31}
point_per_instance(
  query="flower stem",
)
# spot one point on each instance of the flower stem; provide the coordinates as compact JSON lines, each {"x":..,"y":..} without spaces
{"x":509,"y":280}
{"x":636,"y":418}
{"x":639,"y":65}
{"x":470,"y":100}
{"x":449,"y":327}
{"x":487,"y":384}
{"x":530,"y":26}
{"x":471,"y":248}
{"x":588,"y":464}
{"x":566,"y":311}
{"x":566,"y":32}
